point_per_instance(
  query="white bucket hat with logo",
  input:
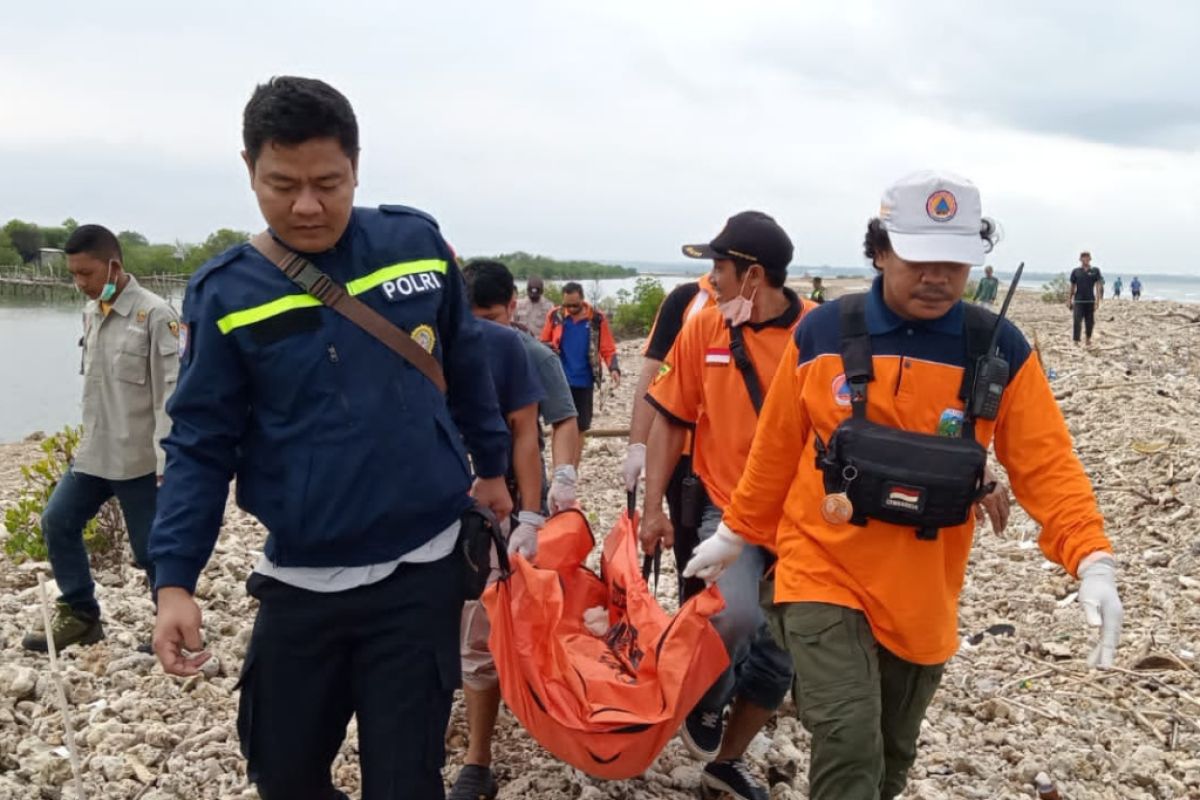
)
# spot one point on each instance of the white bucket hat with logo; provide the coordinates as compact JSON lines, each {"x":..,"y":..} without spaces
{"x":934,"y":216}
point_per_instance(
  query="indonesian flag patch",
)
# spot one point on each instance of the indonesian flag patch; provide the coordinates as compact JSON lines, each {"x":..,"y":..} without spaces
{"x":904,"y":498}
{"x":717,"y":355}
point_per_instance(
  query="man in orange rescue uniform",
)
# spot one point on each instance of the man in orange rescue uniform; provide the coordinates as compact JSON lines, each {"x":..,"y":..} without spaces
{"x":684,"y":302}
{"x":714,"y":380}
{"x":867,"y":608}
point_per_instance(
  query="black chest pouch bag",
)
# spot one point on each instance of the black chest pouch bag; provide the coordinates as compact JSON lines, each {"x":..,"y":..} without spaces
{"x":925,"y":481}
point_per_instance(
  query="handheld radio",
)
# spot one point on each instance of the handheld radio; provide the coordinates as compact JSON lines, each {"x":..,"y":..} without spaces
{"x":991,"y":371}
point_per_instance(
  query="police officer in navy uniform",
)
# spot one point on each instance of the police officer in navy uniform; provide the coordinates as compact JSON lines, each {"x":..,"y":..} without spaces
{"x":353,"y":460}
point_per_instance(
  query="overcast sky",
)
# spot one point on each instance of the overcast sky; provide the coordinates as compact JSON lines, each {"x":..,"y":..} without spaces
{"x":621,"y":129}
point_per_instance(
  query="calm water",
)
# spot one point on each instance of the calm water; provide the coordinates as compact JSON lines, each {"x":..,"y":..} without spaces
{"x":39,"y":359}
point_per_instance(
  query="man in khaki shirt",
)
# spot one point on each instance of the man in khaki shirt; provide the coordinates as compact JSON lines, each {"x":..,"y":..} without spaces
{"x":533,"y":308}
{"x":130,"y":362}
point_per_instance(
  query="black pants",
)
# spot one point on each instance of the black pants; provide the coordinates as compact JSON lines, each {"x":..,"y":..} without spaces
{"x":583,"y":398}
{"x":1084,"y":315}
{"x":686,"y":539}
{"x":386,"y":653}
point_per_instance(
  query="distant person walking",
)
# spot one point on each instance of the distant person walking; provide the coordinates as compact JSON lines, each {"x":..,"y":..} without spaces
{"x":130,"y":365}
{"x":1135,"y":288}
{"x":817,"y":295}
{"x":1087,"y":290}
{"x":533,"y":308}
{"x":985,"y":292}
{"x":1117,"y":288}
{"x":581,"y":336}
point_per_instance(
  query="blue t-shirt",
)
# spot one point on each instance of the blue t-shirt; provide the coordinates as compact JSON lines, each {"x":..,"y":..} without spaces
{"x":576,"y":339}
{"x":513,"y":373}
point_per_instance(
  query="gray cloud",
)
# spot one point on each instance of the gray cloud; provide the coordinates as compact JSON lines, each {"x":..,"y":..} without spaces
{"x":1122,"y":74}
{"x":619,"y":130}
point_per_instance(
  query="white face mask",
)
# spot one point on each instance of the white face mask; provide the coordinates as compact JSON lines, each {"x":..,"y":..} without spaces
{"x":738,"y":310}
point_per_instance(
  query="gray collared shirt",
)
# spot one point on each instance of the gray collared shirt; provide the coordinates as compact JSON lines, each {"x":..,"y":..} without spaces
{"x":532,"y":315}
{"x":130,"y":365}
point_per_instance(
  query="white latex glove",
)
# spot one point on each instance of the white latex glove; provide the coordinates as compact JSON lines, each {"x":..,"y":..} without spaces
{"x":1101,"y":605}
{"x":523,"y":539}
{"x":595,"y":619}
{"x":562,"y":489}
{"x":634,"y":465}
{"x":714,"y":555}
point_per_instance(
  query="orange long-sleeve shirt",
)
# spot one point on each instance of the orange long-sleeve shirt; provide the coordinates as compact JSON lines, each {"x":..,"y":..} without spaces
{"x":701,"y":386}
{"x":908,"y":588}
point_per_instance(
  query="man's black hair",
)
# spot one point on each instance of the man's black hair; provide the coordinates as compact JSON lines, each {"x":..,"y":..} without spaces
{"x":775,"y":277}
{"x":95,"y":240}
{"x":571,"y":287}
{"x":489,"y":283}
{"x":877,"y":243}
{"x":291,"y":110}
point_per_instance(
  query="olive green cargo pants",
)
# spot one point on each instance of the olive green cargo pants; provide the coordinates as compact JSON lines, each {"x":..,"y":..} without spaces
{"x":862,"y":704}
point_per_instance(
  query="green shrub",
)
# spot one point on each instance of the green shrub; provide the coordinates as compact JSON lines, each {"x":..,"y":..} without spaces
{"x":1057,"y":290}
{"x":633,"y":314}
{"x":24,"y":519}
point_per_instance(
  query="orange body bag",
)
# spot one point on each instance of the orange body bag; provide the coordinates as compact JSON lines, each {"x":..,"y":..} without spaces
{"x":606,"y":705}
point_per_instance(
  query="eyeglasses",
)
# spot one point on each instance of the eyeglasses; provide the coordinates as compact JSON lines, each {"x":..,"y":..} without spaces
{"x":573,"y":307}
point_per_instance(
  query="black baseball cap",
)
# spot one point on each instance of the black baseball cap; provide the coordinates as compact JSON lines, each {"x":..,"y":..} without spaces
{"x":751,"y":236}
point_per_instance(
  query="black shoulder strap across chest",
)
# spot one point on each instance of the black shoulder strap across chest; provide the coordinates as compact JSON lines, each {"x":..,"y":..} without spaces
{"x":304,"y":273}
{"x":856,"y":350}
{"x":737,"y":349}
{"x":978,"y":325}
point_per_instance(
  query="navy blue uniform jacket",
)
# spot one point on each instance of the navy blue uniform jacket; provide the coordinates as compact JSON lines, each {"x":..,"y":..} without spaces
{"x":345,"y":452}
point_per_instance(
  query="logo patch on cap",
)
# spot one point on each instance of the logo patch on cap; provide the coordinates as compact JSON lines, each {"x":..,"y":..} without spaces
{"x":941,"y":206}
{"x":692,"y":251}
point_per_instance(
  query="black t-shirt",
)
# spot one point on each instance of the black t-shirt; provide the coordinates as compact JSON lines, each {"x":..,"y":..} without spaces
{"x":1085,"y":284}
{"x":669,"y":321}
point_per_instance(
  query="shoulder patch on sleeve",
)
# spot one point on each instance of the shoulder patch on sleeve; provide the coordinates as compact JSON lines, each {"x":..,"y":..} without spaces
{"x":164,"y":326}
{"x":416,"y":212}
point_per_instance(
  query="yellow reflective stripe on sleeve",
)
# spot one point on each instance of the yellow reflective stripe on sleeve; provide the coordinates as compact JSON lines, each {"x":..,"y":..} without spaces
{"x":249,"y":316}
{"x":390,"y":273}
